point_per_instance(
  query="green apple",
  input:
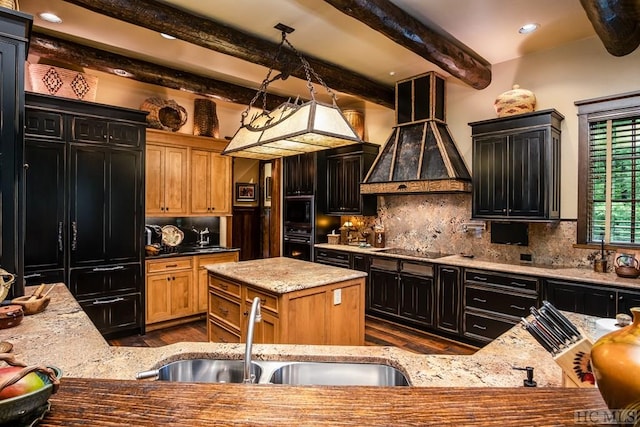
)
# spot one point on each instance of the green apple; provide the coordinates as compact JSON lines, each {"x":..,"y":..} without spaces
{"x":27,"y":384}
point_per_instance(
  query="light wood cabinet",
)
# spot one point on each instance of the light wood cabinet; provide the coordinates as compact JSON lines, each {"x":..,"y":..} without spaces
{"x":186,"y":175}
{"x":210,"y":186}
{"x":177,"y":288}
{"x":166,"y":178}
{"x":332,"y":314}
{"x":170,"y":289}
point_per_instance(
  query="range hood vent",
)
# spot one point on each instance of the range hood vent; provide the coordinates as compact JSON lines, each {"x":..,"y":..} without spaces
{"x":420,"y":156}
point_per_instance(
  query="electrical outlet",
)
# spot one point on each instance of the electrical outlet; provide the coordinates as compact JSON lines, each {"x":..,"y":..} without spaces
{"x":337,"y":296}
{"x":526,"y":257}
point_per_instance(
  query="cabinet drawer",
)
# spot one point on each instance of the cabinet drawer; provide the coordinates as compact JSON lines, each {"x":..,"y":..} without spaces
{"x":225,"y":310}
{"x":224,"y":287}
{"x":116,"y":313}
{"x":218,"y":333}
{"x":42,"y":123}
{"x":217,"y":259}
{"x":416,"y":268}
{"x":169,"y":264}
{"x":518,"y":282}
{"x":339,"y":259}
{"x":268,"y":301}
{"x":499,"y":301}
{"x":102,"y":281}
{"x":384,"y":264}
{"x":485,"y":328}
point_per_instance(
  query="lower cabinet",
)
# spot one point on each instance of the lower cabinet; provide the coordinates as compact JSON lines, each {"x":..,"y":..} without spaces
{"x":308,"y":316}
{"x":176,"y":288}
{"x":449,"y":299}
{"x":592,"y":300}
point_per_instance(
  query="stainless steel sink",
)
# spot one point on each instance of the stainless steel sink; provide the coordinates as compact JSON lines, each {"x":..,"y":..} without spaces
{"x":279,"y":372}
{"x":361,"y":374}
{"x":202,"y":371}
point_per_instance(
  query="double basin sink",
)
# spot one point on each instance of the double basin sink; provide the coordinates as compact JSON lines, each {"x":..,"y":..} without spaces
{"x":279,"y":372}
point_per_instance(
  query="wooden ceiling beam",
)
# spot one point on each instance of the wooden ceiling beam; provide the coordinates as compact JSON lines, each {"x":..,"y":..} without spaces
{"x":218,"y":37}
{"x":441,"y":49}
{"x":53,"y":48}
{"x":617,"y":23}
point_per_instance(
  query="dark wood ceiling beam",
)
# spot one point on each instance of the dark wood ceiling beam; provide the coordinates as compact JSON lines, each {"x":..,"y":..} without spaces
{"x":53,"y":48}
{"x":441,"y":49}
{"x":216,"y":36}
{"x":617,"y":23}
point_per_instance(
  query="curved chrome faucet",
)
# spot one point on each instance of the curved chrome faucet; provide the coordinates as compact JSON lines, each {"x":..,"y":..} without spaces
{"x":254,"y":317}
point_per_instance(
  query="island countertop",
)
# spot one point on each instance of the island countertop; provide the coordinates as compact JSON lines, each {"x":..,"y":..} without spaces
{"x":283,"y":275}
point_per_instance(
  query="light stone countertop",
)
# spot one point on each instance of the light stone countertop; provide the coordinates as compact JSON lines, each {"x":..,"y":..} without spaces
{"x":63,"y":336}
{"x":283,"y":275}
{"x":583,"y":275}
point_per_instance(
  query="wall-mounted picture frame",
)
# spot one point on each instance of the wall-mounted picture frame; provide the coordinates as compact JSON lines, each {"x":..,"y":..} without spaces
{"x":245,"y":192}
{"x":267,"y":188}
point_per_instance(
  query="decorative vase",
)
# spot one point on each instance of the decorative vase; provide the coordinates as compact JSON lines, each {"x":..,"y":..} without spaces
{"x":615,"y":359}
{"x":205,"y":119}
{"x":515,"y":101}
{"x":356,"y":120}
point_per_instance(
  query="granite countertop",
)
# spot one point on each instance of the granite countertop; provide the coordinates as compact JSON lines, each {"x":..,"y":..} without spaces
{"x":191,"y":251}
{"x":283,"y":275}
{"x":63,"y":336}
{"x":584,"y":275}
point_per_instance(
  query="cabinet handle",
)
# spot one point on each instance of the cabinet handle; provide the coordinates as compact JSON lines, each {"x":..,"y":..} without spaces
{"x":480,"y":278}
{"x":224,"y":311}
{"x":213,"y":208}
{"x":166,"y":209}
{"x":117,"y":267}
{"x":482,"y":328}
{"x":60,"y":234}
{"x":522,"y":285}
{"x":246,"y":313}
{"x":611,"y":296}
{"x":162,"y":208}
{"x":263,"y":301}
{"x":104,"y":136}
{"x":74,"y":236}
{"x":620,"y":298}
{"x":223,"y":286}
{"x":168,"y":279}
{"x":170,"y":265}
{"x":448,"y":270}
{"x":109,"y":301}
{"x":32,"y":276}
{"x":480,"y":300}
{"x":517,"y":307}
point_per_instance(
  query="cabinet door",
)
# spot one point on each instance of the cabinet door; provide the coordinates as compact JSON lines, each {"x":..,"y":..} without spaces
{"x":626,"y":300}
{"x":335,"y":190}
{"x":181,"y":291}
{"x":416,"y":299}
{"x":220,"y":190}
{"x":200,"y":172}
{"x":158,"y":298}
{"x":154,"y":180}
{"x":44,"y":225}
{"x":266,"y":331}
{"x":490,"y":176}
{"x":383,"y":292}
{"x":175,"y":180}
{"x":579,"y":298}
{"x":448,"y":316}
{"x":300,"y":172}
{"x":526,"y":169}
{"x":115,"y":316}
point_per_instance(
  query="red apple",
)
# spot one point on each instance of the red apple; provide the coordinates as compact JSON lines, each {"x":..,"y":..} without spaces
{"x":27,"y":384}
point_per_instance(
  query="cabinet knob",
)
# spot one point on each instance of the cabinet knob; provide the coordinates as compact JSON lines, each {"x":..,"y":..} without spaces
{"x":611,"y":296}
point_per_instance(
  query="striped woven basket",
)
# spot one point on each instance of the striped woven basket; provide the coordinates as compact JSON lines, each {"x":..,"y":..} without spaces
{"x":10,"y":4}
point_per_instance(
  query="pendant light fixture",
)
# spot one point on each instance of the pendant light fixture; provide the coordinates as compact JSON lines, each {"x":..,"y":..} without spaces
{"x":293,"y":127}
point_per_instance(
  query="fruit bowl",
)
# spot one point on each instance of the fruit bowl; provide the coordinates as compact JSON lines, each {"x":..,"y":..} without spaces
{"x":28,"y":407}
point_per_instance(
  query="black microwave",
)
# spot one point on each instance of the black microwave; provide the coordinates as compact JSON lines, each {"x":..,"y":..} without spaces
{"x":298,"y":211}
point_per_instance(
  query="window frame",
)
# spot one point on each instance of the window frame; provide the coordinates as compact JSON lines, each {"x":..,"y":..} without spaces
{"x":589,"y":110}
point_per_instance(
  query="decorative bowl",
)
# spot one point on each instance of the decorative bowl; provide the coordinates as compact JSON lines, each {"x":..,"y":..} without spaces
{"x":26,"y":408}
{"x":10,"y":316}
{"x":31,"y":306}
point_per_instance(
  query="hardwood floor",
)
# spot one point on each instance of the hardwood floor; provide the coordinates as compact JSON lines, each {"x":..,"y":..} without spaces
{"x":377,"y":332}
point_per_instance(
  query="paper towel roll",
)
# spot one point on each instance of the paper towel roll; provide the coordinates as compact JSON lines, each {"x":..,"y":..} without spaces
{"x":604,"y":326}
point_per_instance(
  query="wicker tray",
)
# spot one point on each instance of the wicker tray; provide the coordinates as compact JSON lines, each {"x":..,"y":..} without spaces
{"x":57,"y":81}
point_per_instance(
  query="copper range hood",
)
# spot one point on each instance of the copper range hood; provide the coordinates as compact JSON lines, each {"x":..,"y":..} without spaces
{"x":420,"y":156}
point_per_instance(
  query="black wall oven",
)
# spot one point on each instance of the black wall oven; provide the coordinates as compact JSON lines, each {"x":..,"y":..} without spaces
{"x":299,"y":221}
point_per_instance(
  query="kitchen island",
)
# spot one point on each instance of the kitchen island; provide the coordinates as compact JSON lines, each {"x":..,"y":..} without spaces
{"x":98,"y":385}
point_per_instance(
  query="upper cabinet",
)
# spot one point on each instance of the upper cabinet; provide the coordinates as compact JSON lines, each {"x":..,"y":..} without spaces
{"x":346,"y":168}
{"x":186,"y":175}
{"x":300,"y":174}
{"x":516,"y":167}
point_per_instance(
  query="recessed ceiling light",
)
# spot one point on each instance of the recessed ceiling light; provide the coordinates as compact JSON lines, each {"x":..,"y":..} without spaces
{"x":122,"y":73}
{"x":50,"y":17}
{"x":392,"y":73}
{"x":528,"y":28}
{"x":167,"y":36}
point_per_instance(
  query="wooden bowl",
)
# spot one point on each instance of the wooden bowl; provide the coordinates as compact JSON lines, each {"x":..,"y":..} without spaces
{"x":30,"y":306}
{"x":10,"y":316}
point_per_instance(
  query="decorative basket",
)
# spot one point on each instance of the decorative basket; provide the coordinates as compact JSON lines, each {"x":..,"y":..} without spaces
{"x":6,"y":280}
{"x":164,"y":114}
{"x":57,"y":81}
{"x":10,"y":4}
{"x":205,"y":120}
{"x":356,"y":120}
{"x":515,"y":101}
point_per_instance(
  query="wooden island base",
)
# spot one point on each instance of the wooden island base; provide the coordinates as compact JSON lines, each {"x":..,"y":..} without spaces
{"x":92,"y":402}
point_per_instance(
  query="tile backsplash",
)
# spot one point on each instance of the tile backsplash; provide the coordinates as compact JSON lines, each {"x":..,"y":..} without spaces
{"x":442,"y":223}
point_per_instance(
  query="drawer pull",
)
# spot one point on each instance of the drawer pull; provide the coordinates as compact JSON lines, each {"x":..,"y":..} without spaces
{"x":223,"y":286}
{"x":482,"y":328}
{"x":117,"y":267}
{"x":263,"y":301}
{"x":223,"y":310}
{"x":32,"y":276}
{"x":170,"y":265}
{"x":517,"y":307}
{"x":479,"y":300}
{"x":109,"y":301}
{"x":522,"y":285}
{"x":448,"y":270}
{"x":480,"y":278}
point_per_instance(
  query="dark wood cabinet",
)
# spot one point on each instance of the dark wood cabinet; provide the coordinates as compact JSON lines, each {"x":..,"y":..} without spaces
{"x":300,"y":174}
{"x":416,"y":298}
{"x":580,"y":298}
{"x":383,"y":293}
{"x":346,"y":169}
{"x":449,"y":299}
{"x":85,"y":207}
{"x":626,"y":300}
{"x":516,"y":167}
{"x":14,"y":45}
{"x":494,"y":302}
